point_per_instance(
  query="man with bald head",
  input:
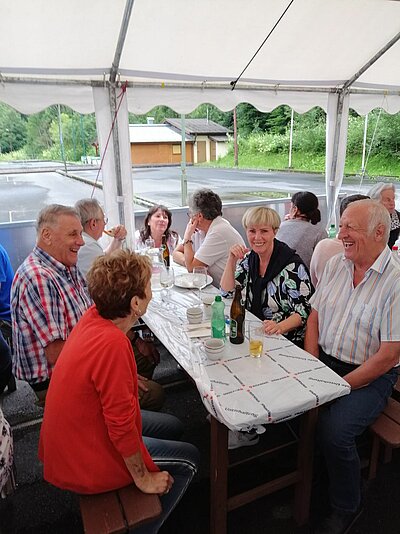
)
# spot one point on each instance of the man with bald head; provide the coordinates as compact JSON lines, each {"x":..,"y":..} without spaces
{"x":354,"y":328}
{"x":48,"y":296}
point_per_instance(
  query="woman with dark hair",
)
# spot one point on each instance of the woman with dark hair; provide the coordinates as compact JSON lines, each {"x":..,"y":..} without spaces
{"x":157,"y":225}
{"x":94,"y":437}
{"x":300,"y":229}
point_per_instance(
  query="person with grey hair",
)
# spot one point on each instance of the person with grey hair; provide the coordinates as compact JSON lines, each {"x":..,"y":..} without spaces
{"x":354,"y":328}
{"x":208,"y":236}
{"x":384,"y":192}
{"x":48,"y":297}
{"x":94,"y":222}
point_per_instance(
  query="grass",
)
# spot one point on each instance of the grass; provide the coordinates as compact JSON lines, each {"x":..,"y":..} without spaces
{"x":377,"y":165}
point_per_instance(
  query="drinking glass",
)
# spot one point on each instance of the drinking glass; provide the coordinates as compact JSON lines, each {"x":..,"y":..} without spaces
{"x":149,"y":243}
{"x":167,"y":278}
{"x":256,"y":339}
{"x":199,"y":279}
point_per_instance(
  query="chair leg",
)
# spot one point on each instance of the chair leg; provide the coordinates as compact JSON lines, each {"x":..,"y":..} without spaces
{"x":373,"y":462}
{"x":387,"y":457}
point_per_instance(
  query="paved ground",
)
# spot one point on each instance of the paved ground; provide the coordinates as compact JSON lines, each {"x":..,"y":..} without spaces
{"x":23,"y":194}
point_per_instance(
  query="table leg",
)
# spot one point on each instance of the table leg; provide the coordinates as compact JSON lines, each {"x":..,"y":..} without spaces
{"x":303,"y":486}
{"x":218,"y":477}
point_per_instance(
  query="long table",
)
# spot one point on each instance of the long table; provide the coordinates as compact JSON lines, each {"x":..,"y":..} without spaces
{"x":243,"y":393}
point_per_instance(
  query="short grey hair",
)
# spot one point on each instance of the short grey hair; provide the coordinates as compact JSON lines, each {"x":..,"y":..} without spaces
{"x":377,"y":214}
{"x":375,"y":192}
{"x":206,"y":202}
{"x":88,"y":208}
{"x":49,"y":215}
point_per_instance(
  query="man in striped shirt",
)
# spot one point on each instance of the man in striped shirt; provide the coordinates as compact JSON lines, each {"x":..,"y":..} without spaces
{"x":354,"y":328}
{"x":48,"y":296}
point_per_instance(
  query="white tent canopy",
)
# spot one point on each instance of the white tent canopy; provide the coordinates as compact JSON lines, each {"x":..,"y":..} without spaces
{"x":334,"y":54}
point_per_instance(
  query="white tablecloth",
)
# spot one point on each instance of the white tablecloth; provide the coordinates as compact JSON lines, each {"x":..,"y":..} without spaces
{"x":240,"y":391}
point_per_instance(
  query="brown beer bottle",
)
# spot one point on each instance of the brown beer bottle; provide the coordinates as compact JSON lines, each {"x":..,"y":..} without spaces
{"x":238,"y":311}
{"x":166,"y":258}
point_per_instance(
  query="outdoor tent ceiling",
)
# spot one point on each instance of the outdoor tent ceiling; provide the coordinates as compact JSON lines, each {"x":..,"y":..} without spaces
{"x":182,"y":53}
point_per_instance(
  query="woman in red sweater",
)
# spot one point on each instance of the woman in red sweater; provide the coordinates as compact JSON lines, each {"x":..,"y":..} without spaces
{"x":91,"y":437}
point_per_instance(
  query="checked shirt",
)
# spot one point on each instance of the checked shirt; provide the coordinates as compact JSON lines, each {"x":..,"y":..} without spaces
{"x":47,"y":300}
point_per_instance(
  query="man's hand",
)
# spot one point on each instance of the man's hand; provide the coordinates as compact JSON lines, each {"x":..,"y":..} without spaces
{"x":190,"y":228}
{"x":148,"y":349}
{"x":119,"y":232}
{"x":142,"y":383}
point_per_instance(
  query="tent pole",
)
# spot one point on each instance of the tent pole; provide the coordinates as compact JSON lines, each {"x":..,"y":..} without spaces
{"x":183,"y":162}
{"x":121,"y":39}
{"x":291,"y":139}
{"x":364,"y":145}
{"x":116,"y":151}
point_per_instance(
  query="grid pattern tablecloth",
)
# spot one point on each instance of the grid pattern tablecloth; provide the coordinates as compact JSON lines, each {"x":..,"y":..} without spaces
{"x":240,"y":391}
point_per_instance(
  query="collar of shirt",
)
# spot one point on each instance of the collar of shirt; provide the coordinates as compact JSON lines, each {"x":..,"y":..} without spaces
{"x":53,"y":263}
{"x":378,"y":266}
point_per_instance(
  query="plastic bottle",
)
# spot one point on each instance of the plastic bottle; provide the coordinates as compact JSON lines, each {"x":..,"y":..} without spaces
{"x":332,"y":231}
{"x":236,"y":335}
{"x":395,"y":252}
{"x":218,"y":318}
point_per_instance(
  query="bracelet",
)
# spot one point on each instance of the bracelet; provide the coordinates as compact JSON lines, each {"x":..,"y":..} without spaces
{"x":188,"y":241}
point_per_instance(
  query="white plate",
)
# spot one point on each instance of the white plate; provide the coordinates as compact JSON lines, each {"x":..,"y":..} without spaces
{"x":186,"y":281}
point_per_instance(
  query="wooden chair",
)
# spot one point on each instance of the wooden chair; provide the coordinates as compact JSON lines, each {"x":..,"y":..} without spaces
{"x":386,"y":429}
{"x":118,"y":511}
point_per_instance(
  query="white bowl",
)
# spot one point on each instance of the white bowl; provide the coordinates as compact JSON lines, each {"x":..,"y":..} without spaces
{"x":214,"y":348}
{"x":194,"y":315}
{"x":207,"y":298}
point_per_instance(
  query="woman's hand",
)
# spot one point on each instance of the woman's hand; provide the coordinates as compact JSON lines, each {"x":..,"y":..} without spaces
{"x":159,"y":482}
{"x":238,"y":252}
{"x":271,"y":327}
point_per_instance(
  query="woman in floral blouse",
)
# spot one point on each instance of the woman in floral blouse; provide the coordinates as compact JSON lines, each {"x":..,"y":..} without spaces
{"x":277,"y":282}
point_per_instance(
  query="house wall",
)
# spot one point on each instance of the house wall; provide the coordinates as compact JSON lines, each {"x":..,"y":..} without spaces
{"x":221,"y":149}
{"x":158,"y":153}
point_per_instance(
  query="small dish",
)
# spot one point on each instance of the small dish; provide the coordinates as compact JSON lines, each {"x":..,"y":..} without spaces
{"x":194,"y":315}
{"x":207,"y":298}
{"x":214,"y":348}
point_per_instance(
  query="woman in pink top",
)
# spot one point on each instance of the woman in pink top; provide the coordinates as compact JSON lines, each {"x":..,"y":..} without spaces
{"x":91,"y":438}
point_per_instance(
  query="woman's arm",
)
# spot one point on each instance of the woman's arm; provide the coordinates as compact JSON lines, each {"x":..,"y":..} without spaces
{"x":159,"y":482}
{"x":283,"y":327}
{"x":236,"y":253}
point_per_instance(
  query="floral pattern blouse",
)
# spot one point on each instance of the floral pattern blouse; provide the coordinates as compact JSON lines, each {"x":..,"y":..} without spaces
{"x":287,"y":293}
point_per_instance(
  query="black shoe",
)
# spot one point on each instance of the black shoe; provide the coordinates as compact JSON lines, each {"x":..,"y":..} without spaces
{"x":338,"y":522}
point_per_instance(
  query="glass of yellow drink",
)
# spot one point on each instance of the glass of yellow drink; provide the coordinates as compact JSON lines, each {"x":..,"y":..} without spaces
{"x":256,"y":339}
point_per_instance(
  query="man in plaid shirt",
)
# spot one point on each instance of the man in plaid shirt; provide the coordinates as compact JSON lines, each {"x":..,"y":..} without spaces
{"x":48,"y":296}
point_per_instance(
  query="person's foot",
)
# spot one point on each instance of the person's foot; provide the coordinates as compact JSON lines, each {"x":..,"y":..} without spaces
{"x":238,"y":439}
{"x":338,"y":522}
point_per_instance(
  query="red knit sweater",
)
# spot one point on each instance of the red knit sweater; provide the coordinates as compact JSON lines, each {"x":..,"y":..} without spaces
{"x":92,"y":417}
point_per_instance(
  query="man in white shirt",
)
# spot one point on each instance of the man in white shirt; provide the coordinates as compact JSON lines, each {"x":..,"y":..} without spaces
{"x":354,"y":328}
{"x":219,"y":236}
{"x":151,"y":394}
{"x":94,"y":222}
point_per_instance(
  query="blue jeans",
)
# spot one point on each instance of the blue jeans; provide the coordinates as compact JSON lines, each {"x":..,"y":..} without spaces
{"x":178,"y":458}
{"x":339,"y":423}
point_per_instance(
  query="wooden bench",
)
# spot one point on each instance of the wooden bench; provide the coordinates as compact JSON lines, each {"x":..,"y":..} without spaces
{"x":386,"y":429}
{"x":118,"y":511}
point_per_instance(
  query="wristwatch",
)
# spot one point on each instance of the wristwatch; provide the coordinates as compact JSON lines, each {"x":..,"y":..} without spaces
{"x":188,"y":241}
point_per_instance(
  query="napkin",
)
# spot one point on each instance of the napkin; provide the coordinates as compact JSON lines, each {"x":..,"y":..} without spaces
{"x":198,"y":330}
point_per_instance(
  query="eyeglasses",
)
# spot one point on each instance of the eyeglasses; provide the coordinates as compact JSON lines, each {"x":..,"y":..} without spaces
{"x":105,"y":220}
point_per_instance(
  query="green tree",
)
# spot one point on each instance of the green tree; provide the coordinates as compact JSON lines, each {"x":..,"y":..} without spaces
{"x":12,"y":129}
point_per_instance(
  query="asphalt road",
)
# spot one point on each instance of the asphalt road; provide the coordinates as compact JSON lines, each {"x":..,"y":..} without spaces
{"x":22,"y":195}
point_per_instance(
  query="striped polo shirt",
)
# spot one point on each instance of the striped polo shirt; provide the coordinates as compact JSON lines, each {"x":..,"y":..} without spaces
{"x":353,"y":321}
